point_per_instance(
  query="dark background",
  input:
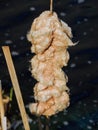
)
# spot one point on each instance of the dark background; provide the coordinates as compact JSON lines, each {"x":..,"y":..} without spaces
{"x":16,"y":17}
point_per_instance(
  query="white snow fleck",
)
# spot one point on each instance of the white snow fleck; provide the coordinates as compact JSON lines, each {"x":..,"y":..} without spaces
{"x":22,"y":38}
{"x":95,"y":101}
{"x":89,"y":127}
{"x":80,"y":1}
{"x":89,"y":62}
{"x":91,"y":121}
{"x":34,"y":122}
{"x":73,"y":65}
{"x":8,"y":42}
{"x":85,"y":19}
{"x":54,"y":122}
{"x":29,"y":119}
{"x":76,"y":58}
{"x":63,"y":14}
{"x":55,"y":116}
{"x":31,"y":96}
{"x":32,"y":9}
{"x":7,"y":4}
{"x":14,"y":53}
{"x":6,"y":34}
{"x":22,"y":74}
{"x":42,"y":126}
{"x":64,"y":113}
{"x":17,"y":124}
{"x":80,"y":102}
{"x":84,"y":33}
{"x":0,"y":54}
{"x":66,"y":123}
{"x":78,"y":22}
{"x":14,"y":46}
{"x":27,"y":54}
{"x":26,"y":106}
{"x":83,"y":117}
{"x":85,"y":104}
{"x":30,"y":80}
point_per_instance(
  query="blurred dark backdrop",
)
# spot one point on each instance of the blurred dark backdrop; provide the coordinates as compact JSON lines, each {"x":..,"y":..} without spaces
{"x":16,"y":17}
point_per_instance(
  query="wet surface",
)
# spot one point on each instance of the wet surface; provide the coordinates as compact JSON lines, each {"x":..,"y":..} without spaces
{"x":82,"y":15}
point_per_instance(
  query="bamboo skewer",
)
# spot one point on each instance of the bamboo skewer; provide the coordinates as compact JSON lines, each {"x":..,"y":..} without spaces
{"x":3,"y":118}
{"x":16,"y":87}
{"x":51,"y":5}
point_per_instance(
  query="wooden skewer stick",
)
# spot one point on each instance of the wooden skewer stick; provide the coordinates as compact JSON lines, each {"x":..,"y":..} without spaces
{"x":3,"y":118}
{"x":51,"y":5}
{"x":16,"y":87}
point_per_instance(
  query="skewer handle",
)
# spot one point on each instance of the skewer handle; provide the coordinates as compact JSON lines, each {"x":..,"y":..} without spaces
{"x":3,"y":118}
{"x":16,"y":87}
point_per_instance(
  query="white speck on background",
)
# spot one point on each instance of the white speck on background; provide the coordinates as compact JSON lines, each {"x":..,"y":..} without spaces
{"x":22,"y":74}
{"x":85,"y":19}
{"x":83,"y":117}
{"x":73,"y":65}
{"x":34,"y":122}
{"x":89,"y":62}
{"x":22,"y":38}
{"x":63,"y":14}
{"x":7,"y":4}
{"x":55,"y":116}
{"x":32,"y":9}
{"x":17,"y":124}
{"x":31,"y":96}
{"x":80,"y":1}
{"x":27,"y":54}
{"x":95,"y":101}
{"x":0,"y":54}
{"x":76,"y":58}
{"x":84,"y":33}
{"x":66,"y":123}
{"x":84,"y":104}
{"x":14,"y":46}
{"x":89,"y":127}
{"x":64,"y":113}
{"x":91,"y":121}
{"x":54,"y":122}
{"x":26,"y":106}
{"x":14,"y":53}
{"x":8,"y":42}
{"x":6,"y":34}
{"x":78,"y":22}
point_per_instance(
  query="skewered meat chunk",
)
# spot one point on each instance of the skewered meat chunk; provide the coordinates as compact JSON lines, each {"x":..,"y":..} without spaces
{"x":50,"y":37}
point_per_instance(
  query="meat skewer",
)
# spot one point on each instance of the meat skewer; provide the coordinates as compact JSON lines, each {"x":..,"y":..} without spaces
{"x":50,"y":38}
